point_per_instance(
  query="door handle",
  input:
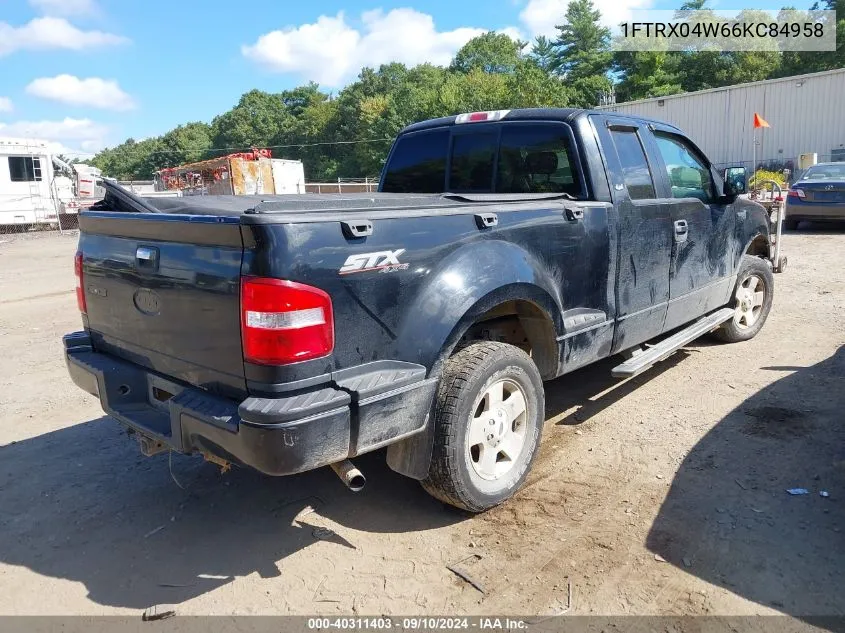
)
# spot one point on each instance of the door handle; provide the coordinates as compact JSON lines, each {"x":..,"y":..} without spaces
{"x":681,"y":231}
{"x":573,"y":214}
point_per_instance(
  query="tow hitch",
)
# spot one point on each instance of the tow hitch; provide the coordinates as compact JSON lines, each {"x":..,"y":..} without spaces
{"x":150,"y":446}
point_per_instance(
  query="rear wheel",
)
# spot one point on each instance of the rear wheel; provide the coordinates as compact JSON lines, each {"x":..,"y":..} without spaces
{"x":791,"y":224}
{"x":489,"y":418}
{"x":752,"y":301}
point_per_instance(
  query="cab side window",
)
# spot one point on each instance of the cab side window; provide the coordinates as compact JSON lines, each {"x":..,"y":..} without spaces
{"x":635,"y":169}
{"x":536,"y":159}
{"x":689,"y":176}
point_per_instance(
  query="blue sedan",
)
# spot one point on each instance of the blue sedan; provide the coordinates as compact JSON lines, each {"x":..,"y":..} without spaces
{"x":819,"y":195}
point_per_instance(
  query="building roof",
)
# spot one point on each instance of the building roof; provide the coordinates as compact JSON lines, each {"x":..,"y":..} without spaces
{"x":680,"y":95}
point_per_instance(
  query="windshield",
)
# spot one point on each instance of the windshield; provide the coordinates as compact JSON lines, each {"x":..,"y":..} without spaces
{"x":825,"y":172}
{"x":513,"y":158}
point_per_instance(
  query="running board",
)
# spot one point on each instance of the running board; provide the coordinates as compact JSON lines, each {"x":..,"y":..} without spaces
{"x":668,"y":346}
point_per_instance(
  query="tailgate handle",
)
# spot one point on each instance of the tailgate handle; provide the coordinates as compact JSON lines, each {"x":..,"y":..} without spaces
{"x":361,"y":228}
{"x":573,"y":214}
{"x":486,"y":220}
{"x":147,"y":257}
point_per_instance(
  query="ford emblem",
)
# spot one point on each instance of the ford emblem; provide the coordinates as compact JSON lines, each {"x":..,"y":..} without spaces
{"x":147,"y":301}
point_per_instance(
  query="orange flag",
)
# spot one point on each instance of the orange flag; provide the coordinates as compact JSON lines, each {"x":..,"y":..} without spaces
{"x":760,"y":121}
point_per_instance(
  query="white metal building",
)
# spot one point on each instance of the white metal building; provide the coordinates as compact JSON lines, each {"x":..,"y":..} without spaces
{"x":806,"y":114}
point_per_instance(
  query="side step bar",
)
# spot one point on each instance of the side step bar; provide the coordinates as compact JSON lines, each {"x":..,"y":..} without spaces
{"x":668,"y":346}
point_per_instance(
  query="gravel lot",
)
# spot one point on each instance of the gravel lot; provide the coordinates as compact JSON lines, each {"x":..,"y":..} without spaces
{"x":665,"y":494}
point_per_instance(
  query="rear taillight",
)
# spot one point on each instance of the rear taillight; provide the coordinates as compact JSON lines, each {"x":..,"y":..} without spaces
{"x":80,"y":285}
{"x":284,"y":322}
{"x":796,"y":193}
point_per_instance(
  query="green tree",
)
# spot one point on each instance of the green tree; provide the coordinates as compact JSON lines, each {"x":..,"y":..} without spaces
{"x":255,"y":121}
{"x":187,"y":143}
{"x":644,"y":74}
{"x":490,"y":53}
{"x":583,"y":44}
{"x":530,"y":86}
{"x":130,"y":160}
{"x":582,"y":54}
{"x":801,"y":62}
{"x":544,"y":54}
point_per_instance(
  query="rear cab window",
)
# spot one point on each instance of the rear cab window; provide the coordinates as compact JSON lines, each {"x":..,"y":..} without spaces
{"x":418,"y":163}
{"x":509,"y":157}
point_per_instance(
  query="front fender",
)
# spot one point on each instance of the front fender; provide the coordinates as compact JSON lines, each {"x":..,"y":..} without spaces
{"x":472,"y":280}
{"x":755,"y":224}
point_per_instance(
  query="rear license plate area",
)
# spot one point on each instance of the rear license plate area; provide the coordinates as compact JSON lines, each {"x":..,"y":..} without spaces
{"x":160,"y":392}
{"x":830,"y":196}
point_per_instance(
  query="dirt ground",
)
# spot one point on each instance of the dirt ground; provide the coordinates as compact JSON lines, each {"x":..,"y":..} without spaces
{"x":665,"y":494}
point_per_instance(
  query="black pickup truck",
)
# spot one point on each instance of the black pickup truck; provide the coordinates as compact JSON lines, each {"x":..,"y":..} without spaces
{"x":504,"y":249}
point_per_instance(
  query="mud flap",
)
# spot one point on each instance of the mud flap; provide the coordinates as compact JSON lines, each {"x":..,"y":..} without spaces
{"x":412,"y":456}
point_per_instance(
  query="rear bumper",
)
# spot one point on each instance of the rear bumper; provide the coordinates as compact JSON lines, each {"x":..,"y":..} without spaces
{"x":364,"y":409}
{"x":814,"y":210}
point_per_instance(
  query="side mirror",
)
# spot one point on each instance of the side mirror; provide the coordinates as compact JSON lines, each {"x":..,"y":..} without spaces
{"x":734,"y":178}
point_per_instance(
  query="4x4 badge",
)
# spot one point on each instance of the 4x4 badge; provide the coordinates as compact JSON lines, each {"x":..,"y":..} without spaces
{"x":384,"y":261}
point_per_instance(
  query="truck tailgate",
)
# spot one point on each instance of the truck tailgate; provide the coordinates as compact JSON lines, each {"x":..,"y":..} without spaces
{"x":162,"y":291}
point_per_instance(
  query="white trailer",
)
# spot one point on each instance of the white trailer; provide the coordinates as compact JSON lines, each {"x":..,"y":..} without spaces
{"x":288,"y":176}
{"x":28,"y":193}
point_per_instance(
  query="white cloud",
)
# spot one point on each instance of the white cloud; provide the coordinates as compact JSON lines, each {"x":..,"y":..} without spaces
{"x":93,"y":91}
{"x":65,"y":7}
{"x":331,"y":51}
{"x":84,"y":133}
{"x":6,"y":104}
{"x":541,"y":16}
{"x":513,"y":33}
{"x":51,"y":33}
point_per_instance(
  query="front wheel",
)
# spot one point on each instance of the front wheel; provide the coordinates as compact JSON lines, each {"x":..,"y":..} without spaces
{"x":752,"y":301}
{"x":488,"y":422}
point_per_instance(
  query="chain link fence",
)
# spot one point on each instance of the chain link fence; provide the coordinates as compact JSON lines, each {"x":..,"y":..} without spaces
{"x":25,"y":224}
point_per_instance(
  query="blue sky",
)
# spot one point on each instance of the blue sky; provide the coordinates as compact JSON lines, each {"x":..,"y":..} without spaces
{"x":89,"y":73}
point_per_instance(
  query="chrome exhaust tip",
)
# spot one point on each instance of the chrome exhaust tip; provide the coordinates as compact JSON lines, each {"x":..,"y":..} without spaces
{"x":351,"y":477}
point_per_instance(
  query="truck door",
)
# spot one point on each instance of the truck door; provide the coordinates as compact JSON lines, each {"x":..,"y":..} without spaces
{"x":645,"y":231}
{"x":700,"y":276}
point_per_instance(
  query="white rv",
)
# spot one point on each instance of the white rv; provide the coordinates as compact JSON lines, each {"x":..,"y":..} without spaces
{"x":38,"y":188}
{"x":26,"y":181}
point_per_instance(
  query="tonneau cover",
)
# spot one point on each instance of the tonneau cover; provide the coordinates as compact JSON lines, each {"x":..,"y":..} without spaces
{"x":261,"y":204}
{"x":120,"y":199}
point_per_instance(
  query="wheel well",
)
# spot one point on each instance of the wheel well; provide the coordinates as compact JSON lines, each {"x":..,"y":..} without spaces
{"x":759,"y":247}
{"x":524,"y":325}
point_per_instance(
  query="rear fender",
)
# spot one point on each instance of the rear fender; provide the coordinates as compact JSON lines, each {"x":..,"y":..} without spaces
{"x":471,"y":281}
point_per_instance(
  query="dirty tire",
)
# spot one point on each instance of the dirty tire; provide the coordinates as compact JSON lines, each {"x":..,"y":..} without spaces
{"x":734,"y":331}
{"x":468,"y":389}
{"x":791,"y":224}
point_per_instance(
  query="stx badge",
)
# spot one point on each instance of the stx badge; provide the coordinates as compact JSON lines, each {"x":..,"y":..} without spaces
{"x":384,"y":261}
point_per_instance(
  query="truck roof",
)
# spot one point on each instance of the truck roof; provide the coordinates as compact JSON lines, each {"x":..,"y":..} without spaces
{"x":567,"y":115}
